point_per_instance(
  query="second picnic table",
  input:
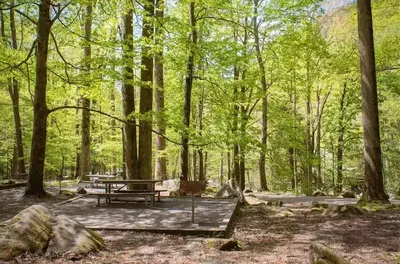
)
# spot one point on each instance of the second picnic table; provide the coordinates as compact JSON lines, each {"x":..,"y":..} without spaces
{"x":146,"y":193}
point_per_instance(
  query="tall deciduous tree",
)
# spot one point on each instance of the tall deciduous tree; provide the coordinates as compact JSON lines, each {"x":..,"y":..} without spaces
{"x":373,"y":178}
{"x":128,"y":98}
{"x":146,"y":94}
{"x":40,"y":112}
{"x":188,"y":92}
{"x":85,"y":143}
{"x":161,"y":161}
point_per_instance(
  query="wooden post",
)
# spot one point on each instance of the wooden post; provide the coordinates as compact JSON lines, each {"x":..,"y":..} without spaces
{"x":192,"y":188}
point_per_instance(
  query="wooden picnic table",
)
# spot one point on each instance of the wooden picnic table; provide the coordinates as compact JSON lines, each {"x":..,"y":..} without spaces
{"x":147,"y":193}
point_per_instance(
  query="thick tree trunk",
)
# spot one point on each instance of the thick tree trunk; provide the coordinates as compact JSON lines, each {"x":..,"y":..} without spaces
{"x":146,"y":96}
{"x":128,"y":100}
{"x":161,"y":160}
{"x":85,"y":143}
{"x":318,"y":182}
{"x":263,"y":79}
{"x":200,"y":131}
{"x":373,"y":178}
{"x":188,"y":93}
{"x":40,"y":112}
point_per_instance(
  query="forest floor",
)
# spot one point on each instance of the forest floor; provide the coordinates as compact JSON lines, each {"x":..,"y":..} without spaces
{"x":263,"y":236}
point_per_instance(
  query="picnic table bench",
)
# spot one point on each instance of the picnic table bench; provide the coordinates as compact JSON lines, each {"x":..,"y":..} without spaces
{"x":146,"y":193}
{"x":147,"y":196}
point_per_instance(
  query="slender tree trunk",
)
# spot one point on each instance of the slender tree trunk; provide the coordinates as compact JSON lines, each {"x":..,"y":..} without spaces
{"x":221,"y":168}
{"x":306,"y":184}
{"x":188,"y":92}
{"x":373,"y":178}
{"x":236,"y":157}
{"x":146,"y":96}
{"x":128,"y":100}
{"x":161,"y":161}
{"x":339,"y":154}
{"x":13,"y":89}
{"x":228,"y":165}
{"x":40,"y":112}
{"x":200,"y":129}
{"x":318,"y":143}
{"x":261,"y":65}
{"x":85,"y":144}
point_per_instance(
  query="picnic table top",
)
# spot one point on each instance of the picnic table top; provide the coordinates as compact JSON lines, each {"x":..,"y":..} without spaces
{"x":130,"y":181}
{"x":101,"y":176}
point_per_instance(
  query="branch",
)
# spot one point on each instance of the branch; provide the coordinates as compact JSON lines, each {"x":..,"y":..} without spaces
{"x":26,"y":16}
{"x":60,"y":10}
{"x":25,"y":60}
{"x":118,"y":119}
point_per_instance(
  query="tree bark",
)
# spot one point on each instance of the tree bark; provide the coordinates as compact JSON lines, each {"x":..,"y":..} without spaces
{"x":200,"y":131}
{"x":373,"y":178}
{"x":85,"y":126}
{"x":235,"y":113}
{"x":188,"y":92}
{"x":339,"y":154}
{"x":306,"y":183}
{"x":128,"y":100}
{"x":146,"y":96}
{"x":161,"y":160}
{"x":34,"y":186}
{"x":13,"y":89}
{"x":261,"y":65}
{"x":221,"y":168}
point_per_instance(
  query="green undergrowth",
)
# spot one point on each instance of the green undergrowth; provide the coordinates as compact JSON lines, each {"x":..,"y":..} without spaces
{"x":57,"y":183}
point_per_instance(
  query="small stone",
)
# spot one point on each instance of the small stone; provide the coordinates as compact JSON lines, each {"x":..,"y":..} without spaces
{"x":348,"y":194}
{"x":315,"y":204}
{"x":223,"y":244}
{"x":318,"y":193}
{"x":248,"y":191}
{"x":284,"y":212}
{"x":342,"y":210}
{"x":81,"y":190}
{"x":277,"y":203}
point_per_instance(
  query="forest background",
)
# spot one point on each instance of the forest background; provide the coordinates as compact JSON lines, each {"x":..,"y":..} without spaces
{"x":267,"y":92}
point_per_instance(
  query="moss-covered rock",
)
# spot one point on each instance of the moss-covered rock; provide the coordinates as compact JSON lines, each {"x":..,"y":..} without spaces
{"x":320,"y":254}
{"x":342,"y":210}
{"x":318,"y":193}
{"x":37,"y":229}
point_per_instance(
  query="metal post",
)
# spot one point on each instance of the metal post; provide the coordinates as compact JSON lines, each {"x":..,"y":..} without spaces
{"x":192,"y":207}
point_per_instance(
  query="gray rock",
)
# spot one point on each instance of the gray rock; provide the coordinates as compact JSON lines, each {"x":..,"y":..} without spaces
{"x":318,"y":193}
{"x":81,"y":190}
{"x":171,"y":184}
{"x":348,"y":194}
{"x":37,"y":229}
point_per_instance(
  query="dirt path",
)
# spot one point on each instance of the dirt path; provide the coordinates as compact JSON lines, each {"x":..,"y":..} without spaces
{"x":264,"y":238}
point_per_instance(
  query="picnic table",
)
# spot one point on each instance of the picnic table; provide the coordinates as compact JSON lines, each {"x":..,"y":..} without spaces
{"x":148,"y":193}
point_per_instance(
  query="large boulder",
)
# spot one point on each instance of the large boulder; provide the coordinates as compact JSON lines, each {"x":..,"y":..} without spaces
{"x":171,"y":184}
{"x":320,"y":254}
{"x":38,"y":229}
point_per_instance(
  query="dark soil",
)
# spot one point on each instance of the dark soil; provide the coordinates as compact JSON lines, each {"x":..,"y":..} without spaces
{"x":263,"y":237}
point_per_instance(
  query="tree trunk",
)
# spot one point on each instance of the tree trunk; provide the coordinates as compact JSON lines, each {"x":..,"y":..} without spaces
{"x":13,"y":89}
{"x":200,"y":131}
{"x":306,"y":183}
{"x":373,"y":178}
{"x":318,"y":182}
{"x":228,"y":165}
{"x":261,"y":65}
{"x":85,"y":144}
{"x":339,"y":154}
{"x":128,"y":100}
{"x":221,"y":168}
{"x":40,"y":112}
{"x":236,"y":158}
{"x":188,"y":93}
{"x":161,"y":161}
{"x":146,"y":96}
